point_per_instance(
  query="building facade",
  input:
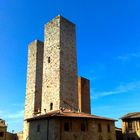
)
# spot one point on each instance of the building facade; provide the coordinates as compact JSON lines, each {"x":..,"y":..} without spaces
{"x":131,"y":126}
{"x":70,"y":125}
{"x":57,"y":103}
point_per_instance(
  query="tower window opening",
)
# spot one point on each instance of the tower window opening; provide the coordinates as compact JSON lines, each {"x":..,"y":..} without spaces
{"x":51,"y":106}
{"x":49,"y":59}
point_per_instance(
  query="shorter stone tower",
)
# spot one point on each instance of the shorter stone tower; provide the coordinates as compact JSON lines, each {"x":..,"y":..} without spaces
{"x":34,"y":82}
{"x":84,"y":95}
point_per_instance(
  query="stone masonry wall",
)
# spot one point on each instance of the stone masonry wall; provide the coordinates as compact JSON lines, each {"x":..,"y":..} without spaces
{"x":68,"y":65}
{"x":51,"y":66}
{"x":84,"y":95}
{"x":59,"y":66}
{"x":34,"y":81}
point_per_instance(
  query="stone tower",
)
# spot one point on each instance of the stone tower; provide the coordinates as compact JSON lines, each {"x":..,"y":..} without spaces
{"x":34,"y":82}
{"x":60,"y":86}
{"x":84,"y":95}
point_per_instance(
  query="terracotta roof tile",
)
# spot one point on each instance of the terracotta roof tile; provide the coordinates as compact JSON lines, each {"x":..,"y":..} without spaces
{"x":67,"y":113}
{"x":133,"y":115}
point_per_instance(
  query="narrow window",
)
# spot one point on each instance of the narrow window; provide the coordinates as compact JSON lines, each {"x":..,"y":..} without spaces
{"x":51,"y":106}
{"x":83,"y":127}
{"x":38,"y":128}
{"x":66,"y":126}
{"x":99,"y":128}
{"x":49,"y":59}
{"x":1,"y":134}
{"x":108,"y":128}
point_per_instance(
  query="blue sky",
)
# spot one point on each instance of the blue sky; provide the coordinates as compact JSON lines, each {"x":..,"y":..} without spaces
{"x":108,"y":47}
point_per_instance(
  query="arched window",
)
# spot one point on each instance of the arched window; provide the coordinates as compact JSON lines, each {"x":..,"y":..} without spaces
{"x":51,"y":106}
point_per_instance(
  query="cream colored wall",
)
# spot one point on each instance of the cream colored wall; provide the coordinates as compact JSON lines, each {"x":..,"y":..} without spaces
{"x":134,"y":133}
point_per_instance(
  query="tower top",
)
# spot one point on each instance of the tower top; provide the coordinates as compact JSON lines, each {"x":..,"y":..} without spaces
{"x":59,"y":18}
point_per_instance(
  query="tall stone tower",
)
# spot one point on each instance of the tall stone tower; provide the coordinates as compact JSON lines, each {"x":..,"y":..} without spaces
{"x":60,"y":87}
{"x":34,"y":82}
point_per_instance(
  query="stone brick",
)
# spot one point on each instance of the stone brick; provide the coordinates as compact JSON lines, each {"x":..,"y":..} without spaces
{"x":34,"y":81}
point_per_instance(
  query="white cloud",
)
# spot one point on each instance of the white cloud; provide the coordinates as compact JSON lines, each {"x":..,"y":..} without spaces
{"x":16,"y":115}
{"x":129,"y":56}
{"x":123,"y":88}
{"x":10,"y":116}
{"x":14,"y":120}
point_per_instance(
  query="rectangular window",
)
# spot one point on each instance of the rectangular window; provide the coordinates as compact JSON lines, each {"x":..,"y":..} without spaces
{"x":108,"y":128}
{"x":1,"y":134}
{"x":99,"y":128}
{"x":66,"y":126}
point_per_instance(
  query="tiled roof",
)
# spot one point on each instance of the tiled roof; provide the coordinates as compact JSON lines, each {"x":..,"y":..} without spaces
{"x":133,"y":115}
{"x":67,"y":113}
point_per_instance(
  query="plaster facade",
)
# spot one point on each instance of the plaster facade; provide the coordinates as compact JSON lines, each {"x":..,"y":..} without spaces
{"x":131,"y":126}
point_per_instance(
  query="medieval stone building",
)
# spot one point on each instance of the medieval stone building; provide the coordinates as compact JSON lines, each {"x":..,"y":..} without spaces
{"x":57,"y":104}
{"x":131,"y":126}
